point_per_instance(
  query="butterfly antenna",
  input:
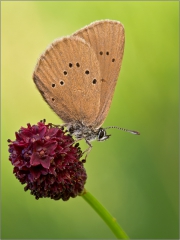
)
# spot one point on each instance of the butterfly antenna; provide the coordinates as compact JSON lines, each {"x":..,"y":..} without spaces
{"x":126,"y":130}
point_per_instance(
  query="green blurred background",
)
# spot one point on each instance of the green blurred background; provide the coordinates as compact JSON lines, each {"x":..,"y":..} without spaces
{"x":135,"y":177}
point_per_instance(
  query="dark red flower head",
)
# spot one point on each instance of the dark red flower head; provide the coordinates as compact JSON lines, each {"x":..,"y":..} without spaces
{"x":45,"y":159}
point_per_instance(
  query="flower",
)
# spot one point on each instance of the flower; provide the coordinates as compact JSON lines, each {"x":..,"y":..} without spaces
{"x":45,"y":159}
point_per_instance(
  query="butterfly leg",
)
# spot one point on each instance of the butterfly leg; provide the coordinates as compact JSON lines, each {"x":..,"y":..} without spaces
{"x":59,"y":126}
{"x":87,"y":151}
{"x":74,"y":142}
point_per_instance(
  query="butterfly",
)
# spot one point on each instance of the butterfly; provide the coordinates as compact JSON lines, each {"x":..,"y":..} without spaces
{"x":77,"y":76}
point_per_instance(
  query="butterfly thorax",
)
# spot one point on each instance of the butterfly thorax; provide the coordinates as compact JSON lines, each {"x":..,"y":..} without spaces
{"x":88,"y":133}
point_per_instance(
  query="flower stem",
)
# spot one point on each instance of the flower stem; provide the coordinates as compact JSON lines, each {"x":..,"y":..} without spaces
{"x":105,"y":215}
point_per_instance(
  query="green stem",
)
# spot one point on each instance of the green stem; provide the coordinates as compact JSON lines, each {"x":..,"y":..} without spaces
{"x":105,"y":215}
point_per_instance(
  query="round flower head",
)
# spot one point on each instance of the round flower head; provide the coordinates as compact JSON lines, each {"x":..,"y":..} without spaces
{"x":45,"y":159}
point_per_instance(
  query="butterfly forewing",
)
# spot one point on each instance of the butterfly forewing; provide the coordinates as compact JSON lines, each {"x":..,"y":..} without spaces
{"x":106,"y":37}
{"x":68,"y":77}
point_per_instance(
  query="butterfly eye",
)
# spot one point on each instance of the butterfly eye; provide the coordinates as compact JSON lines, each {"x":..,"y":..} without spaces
{"x":102,"y":135}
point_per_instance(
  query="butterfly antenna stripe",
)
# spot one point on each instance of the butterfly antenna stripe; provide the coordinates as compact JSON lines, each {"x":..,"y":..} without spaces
{"x":123,"y":129}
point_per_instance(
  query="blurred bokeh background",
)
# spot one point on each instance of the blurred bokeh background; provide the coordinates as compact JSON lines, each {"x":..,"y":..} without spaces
{"x":135,"y":177}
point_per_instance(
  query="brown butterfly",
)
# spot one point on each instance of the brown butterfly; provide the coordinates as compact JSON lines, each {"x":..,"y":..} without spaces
{"x":77,"y":75}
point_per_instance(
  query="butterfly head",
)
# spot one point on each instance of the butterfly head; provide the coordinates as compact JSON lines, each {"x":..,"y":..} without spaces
{"x":101,"y":135}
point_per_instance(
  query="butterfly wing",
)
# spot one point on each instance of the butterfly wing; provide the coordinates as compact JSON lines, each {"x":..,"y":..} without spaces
{"x":107,"y":38}
{"x":68,"y":77}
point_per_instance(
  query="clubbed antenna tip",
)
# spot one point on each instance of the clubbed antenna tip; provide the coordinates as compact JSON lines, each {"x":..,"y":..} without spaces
{"x":133,"y":132}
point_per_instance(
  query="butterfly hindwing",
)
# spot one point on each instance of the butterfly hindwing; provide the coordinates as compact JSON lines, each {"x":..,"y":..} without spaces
{"x":107,"y":38}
